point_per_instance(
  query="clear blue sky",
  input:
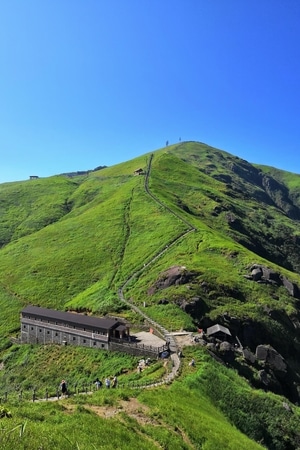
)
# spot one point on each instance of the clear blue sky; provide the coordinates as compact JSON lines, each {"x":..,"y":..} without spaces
{"x":85,"y":83}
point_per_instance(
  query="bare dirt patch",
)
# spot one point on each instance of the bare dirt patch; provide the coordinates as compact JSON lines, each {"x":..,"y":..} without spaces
{"x":184,"y":340}
{"x":132,"y":408}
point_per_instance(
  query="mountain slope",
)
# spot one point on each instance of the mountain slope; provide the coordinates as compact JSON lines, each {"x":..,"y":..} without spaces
{"x":76,"y":241}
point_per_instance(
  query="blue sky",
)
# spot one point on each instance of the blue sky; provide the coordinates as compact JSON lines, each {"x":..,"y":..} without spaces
{"x":98,"y":82}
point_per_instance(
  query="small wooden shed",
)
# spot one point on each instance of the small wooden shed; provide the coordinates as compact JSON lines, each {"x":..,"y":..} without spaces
{"x":219,"y":332}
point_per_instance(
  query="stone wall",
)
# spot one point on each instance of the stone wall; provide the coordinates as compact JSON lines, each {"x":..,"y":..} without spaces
{"x":136,"y":349}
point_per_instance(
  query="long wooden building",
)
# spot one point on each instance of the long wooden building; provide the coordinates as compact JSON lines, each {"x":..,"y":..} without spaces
{"x":45,"y":326}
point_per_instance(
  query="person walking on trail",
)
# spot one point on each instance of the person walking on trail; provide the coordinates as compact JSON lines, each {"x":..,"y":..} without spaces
{"x":114,"y":382}
{"x":63,"y":387}
{"x":107,"y":382}
{"x":98,"y":383}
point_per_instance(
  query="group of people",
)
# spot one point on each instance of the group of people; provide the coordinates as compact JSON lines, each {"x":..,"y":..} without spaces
{"x":109,"y":382}
{"x":142,"y":364}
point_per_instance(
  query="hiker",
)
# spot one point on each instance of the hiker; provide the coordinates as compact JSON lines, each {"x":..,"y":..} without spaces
{"x":192,"y":363}
{"x":63,"y":387}
{"x":98,"y":383}
{"x":114,"y":382}
{"x":107,"y":382}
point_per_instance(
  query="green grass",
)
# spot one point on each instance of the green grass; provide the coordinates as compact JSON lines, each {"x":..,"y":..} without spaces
{"x":171,"y":417}
{"x":28,"y":367}
{"x":260,"y":416}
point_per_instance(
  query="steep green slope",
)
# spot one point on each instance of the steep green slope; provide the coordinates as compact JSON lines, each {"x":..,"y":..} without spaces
{"x":177,"y":417}
{"x":98,"y":241}
{"x":29,"y":206}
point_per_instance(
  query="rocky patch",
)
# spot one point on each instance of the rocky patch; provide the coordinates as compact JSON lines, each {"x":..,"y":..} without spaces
{"x":173,"y":276}
{"x":271,"y":359}
{"x":262,"y":274}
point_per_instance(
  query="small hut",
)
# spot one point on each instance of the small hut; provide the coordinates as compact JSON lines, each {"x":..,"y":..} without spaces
{"x":219,"y":332}
{"x":138,"y":172}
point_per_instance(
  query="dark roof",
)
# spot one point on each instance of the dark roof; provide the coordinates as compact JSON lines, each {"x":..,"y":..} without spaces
{"x":216,"y":328}
{"x":74,"y":319}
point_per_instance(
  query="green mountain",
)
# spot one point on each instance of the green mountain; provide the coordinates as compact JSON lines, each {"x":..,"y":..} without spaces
{"x":199,"y":238}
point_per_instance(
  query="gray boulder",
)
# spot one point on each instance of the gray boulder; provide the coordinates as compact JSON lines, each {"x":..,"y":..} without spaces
{"x":291,"y":287}
{"x":271,"y":358}
{"x":227,"y":352}
{"x":249,"y":356}
{"x":271,"y":275}
{"x":211,"y":347}
{"x":256,"y":274}
{"x":261,"y":352}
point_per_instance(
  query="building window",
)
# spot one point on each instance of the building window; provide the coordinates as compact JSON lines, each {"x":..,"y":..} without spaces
{"x":40,"y":330}
{"x":84,"y":341}
{"x":24,"y":326}
{"x":56,"y":334}
{"x":94,"y":343}
{"x":74,"y":338}
{"x":31,"y":328}
{"x":102,"y":345}
{"x":48,"y":332}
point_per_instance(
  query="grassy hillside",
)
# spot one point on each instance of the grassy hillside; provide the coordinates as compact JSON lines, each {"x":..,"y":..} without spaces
{"x":189,"y":414}
{"x":178,"y":416}
{"x":72,"y":243}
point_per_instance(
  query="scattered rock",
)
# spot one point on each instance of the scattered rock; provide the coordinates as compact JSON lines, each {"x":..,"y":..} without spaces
{"x":291,"y":287}
{"x":227,"y":352}
{"x":262,"y":352}
{"x":271,"y":358}
{"x":249,"y":356}
{"x":211,"y":346}
{"x":194,"y":307}
{"x":256,"y":274}
{"x":262,"y":274}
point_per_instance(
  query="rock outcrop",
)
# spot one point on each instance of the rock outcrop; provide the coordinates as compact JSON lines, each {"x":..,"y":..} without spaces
{"x":271,"y":358}
{"x":262,"y":274}
{"x":175,"y":275}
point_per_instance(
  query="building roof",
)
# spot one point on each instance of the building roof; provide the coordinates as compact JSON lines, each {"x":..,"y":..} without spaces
{"x":72,"y":318}
{"x":216,"y":328}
